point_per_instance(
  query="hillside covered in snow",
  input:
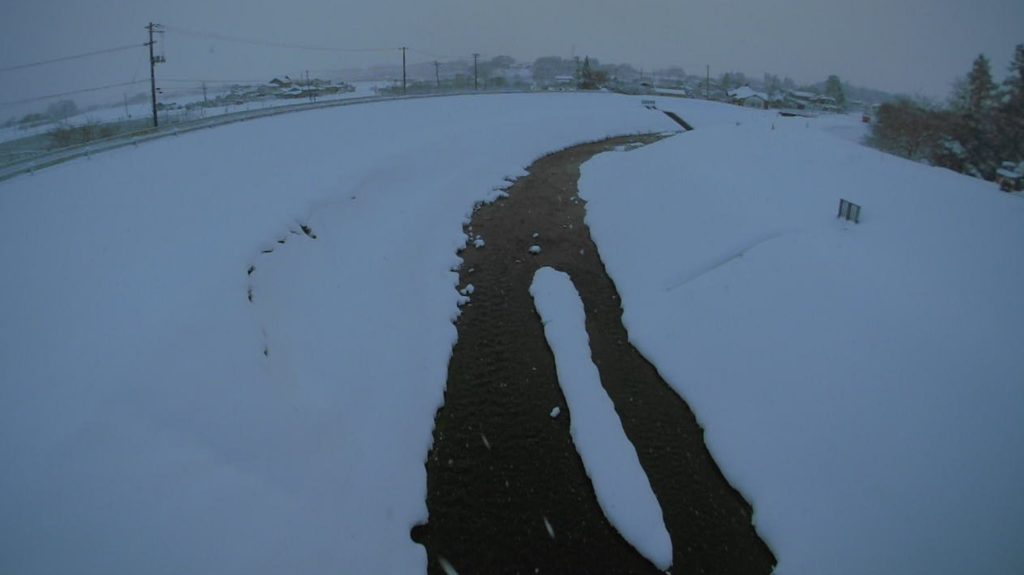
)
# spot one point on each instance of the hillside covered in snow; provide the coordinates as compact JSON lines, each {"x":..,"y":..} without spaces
{"x":223,"y":351}
{"x":861,"y":383}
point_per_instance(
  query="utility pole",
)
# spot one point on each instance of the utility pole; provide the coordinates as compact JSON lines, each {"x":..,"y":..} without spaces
{"x":437,"y":74}
{"x":476,"y":82}
{"x":707,"y":84}
{"x":153,"y":61}
{"x":404,"y":48}
{"x":205,"y":101}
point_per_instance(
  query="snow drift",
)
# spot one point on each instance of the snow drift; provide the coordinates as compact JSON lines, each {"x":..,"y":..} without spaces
{"x":862,"y":384}
{"x":182,"y":392}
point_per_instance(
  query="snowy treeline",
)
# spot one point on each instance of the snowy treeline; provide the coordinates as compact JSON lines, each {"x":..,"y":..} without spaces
{"x":976,"y":132}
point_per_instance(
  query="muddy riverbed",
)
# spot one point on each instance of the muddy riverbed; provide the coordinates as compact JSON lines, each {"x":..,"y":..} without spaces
{"x":507,"y":492}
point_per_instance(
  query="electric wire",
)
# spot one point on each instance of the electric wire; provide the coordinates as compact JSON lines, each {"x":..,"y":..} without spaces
{"x":72,"y":57}
{"x":208,"y":35}
{"x":439,"y":56}
{"x":272,"y":44}
{"x":71,"y":93}
{"x":210,"y":81}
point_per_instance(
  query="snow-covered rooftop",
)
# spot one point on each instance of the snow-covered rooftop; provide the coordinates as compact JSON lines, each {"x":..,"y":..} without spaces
{"x":746,"y":92}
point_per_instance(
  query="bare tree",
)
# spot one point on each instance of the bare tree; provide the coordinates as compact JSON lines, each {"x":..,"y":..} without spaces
{"x":907,"y":129}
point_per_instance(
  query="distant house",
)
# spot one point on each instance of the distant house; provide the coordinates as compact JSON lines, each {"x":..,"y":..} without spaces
{"x":563,"y":83}
{"x":825,"y":103}
{"x":748,"y":97}
{"x":810,"y":101}
{"x":634,"y":87}
{"x":799,"y":100}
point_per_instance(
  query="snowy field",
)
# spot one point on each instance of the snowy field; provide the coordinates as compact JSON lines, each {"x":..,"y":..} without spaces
{"x":862,"y":384}
{"x":154,"y":420}
{"x":144,"y":110}
{"x":182,"y":392}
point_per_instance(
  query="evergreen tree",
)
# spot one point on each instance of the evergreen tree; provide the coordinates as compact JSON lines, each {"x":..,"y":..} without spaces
{"x":834,"y":90}
{"x":1014,"y":82}
{"x":980,"y":87}
{"x":591,"y":79}
{"x":1010,"y":118}
{"x":973,"y":128}
{"x":982,"y":127}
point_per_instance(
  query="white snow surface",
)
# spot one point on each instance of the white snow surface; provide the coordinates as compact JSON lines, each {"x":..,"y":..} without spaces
{"x":622,"y":488}
{"x":142,"y":427}
{"x":849,"y":127}
{"x":862,"y":385}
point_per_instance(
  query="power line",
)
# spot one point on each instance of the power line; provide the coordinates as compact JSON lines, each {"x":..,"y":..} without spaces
{"x":210,"y":81}
{"x":71,"y":93}
{"x":138,"y":64}
{"x":430,"y":63}
{"x":451,"y":58}
{"x":248,"y":82}
{"x":74,"y":57}
{"x":431,"y":55}
{"x":225,"y":38}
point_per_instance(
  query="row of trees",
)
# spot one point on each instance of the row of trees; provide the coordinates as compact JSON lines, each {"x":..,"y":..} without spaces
{"x":980,"y":127}
{"x":589,"y":74}
{"x":55,"y":112}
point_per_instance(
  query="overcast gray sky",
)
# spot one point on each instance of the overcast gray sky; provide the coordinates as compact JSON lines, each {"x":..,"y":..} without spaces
{"x":909,"y":46}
